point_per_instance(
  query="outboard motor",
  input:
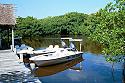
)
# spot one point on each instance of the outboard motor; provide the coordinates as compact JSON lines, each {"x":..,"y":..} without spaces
{"x":72,"y":46}
{"x":64,"y":44}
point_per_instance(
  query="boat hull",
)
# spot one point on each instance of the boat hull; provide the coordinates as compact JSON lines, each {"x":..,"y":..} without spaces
{"x":53,"y":69}
{"x":56,"y":61}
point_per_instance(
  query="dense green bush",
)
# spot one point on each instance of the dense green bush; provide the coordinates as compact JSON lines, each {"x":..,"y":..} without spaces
{"x":65,"y":24}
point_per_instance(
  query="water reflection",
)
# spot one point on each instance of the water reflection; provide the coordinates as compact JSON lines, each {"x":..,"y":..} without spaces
{"x":43,"y":42}
{"x":50,"y":70}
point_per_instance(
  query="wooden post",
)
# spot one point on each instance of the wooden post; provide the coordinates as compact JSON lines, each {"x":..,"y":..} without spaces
{"x":0,"y":39}
{"x":80,"y":46}
{"x":8,"y":37}
{"x":21,"y":57}
{"x":0,"y":43}
{"x":12,"y":40}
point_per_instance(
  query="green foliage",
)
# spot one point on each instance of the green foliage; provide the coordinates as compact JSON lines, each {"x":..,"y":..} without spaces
{"x":65,"y":24}
{"x":26,"y":26}
{"x":110,"y":31}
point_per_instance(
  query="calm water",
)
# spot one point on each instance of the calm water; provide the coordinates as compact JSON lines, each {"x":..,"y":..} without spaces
{"x":94,"y":69}
{"x":90,"y":68}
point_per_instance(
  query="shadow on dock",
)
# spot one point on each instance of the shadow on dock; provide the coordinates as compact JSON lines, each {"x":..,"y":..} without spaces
{"x":12,"y":71}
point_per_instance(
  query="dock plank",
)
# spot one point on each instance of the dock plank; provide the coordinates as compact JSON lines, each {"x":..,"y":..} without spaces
{"x":10,"y":66}
{"x":9,"y":62}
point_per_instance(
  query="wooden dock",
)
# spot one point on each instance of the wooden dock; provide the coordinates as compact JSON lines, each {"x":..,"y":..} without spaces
{"x":12,"y":70}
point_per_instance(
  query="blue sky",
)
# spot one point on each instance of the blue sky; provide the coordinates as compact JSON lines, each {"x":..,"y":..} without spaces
{"x":45,"y":8}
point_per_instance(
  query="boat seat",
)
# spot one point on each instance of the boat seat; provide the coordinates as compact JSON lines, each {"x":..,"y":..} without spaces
{"x":50,"y":46}
{"x":56,"y":46}
{"x":30,"y":48}
{"x":17,"y":46}
{"x":23,"y":45}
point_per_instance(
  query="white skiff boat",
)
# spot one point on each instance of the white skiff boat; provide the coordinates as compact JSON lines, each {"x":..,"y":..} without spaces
{"x":53,"y":69}
{"x":57,"y":55}
{"x":61,"y":55}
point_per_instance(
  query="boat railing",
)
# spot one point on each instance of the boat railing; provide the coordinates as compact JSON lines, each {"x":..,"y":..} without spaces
{"x":79,"y":40}
{"x":66,"y":38}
